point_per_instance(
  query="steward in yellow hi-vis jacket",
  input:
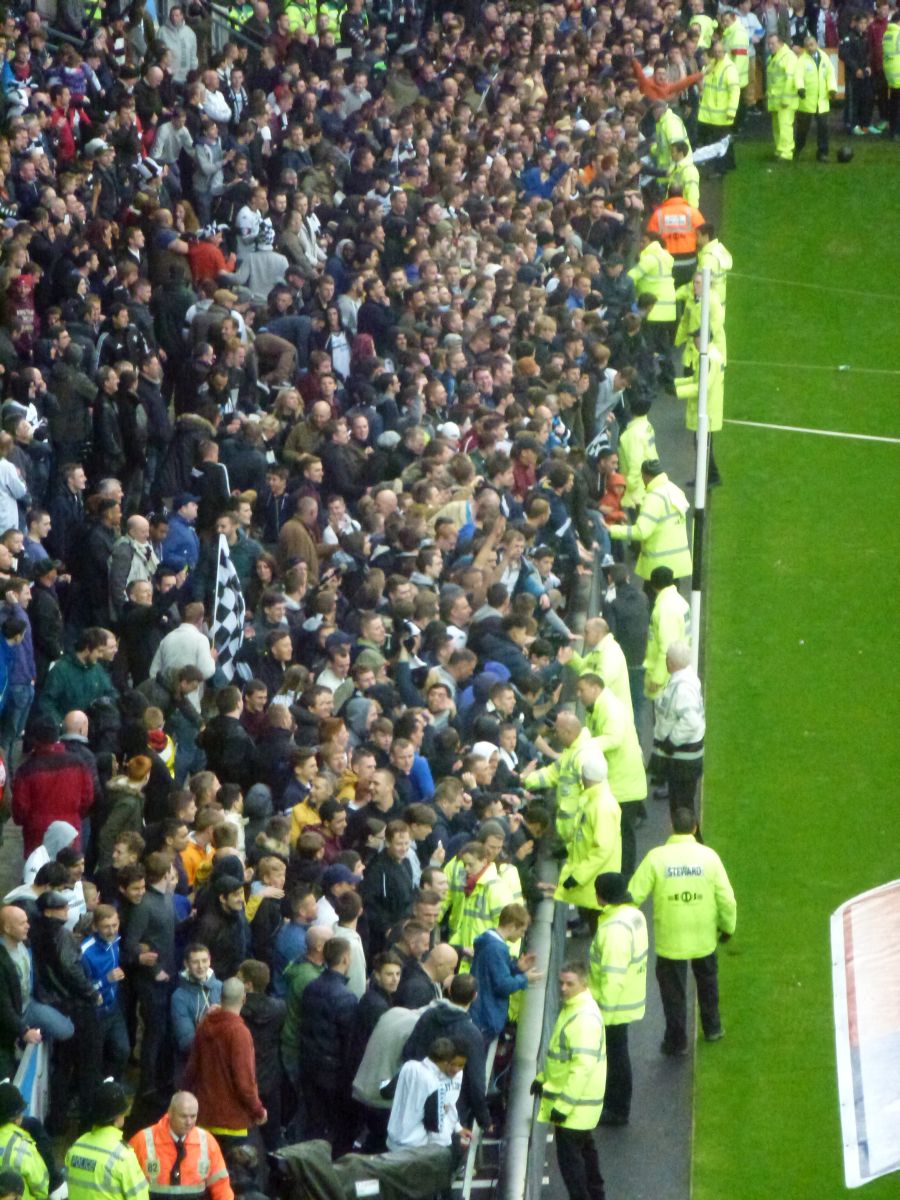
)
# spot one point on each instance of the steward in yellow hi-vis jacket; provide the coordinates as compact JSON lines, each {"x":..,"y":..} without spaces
{"x":100,"y":1165}
{"x":18,"y":1151}
{"x":572,"y":1081}
{"x":618,"y":982}
{"x":661,"y":525}
{"x":564,"y":775}
{"x":597,"y":842}
{"x":670,"y":621}
{"x":693,"y":908}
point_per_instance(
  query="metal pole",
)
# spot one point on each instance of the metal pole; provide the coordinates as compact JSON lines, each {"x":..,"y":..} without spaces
{"x":701,"y":471}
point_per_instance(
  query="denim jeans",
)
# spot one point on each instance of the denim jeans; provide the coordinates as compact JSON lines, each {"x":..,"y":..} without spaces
{"x":51,"y":1022}
{"x":115,"y":1046}
{"x":19,"y":698}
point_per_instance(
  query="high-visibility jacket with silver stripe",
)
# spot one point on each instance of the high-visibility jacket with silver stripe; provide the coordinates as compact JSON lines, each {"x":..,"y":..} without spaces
{"x":653,"y":273}
{"x":202,"y":1169}
{"x":19,"y":1153}
{"x":101,"y":1167}
{"x":670,"y":622}
{"x":618,"y":964}
{"x":661,"y":528}
{"x":719,"y":260}
{"x":721,"y":93}
{"x":817,"y":81}
{"x":781,"y":80}
{"x":736,"y":40}
{"x":890,"y":49}
{"x":685,"y":174}
{"x":565,"y":776}
{"x":669,"y":128}
{"x":574,"y":1070}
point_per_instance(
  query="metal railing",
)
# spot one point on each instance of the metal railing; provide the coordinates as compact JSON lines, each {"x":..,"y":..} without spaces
{"x":477,"y":1132}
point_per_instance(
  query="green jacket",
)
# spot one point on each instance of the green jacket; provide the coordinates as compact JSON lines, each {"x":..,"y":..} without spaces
{"x":693,"y":900}
{"x":652,"y":273}
{"x":669,"y":128}
{"x":596,"y":846}
{"x":565,"y":776}
{"x":612,"y":724}
{"x":736,"y":41}
{"x":890,"y":49}
{"x":719,"y":260}
{"x":299,"y":975}
{"x":574,"y":1070}
{"x":661,"y":528}
{"x":618,"y":964}
{"x":71,"y":684}
{"x":670,"y":622}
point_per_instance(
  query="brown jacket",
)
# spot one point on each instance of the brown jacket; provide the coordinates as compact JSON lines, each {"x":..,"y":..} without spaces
{"x":294,"y":541}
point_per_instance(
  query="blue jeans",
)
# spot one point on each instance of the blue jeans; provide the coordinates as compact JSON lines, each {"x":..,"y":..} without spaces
{"x":19,"y":698}
{"x":50,"y":1021}
{"x":115,"y":1046}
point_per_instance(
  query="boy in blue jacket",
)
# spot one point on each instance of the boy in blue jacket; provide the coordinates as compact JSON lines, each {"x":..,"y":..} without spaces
{"x":497,"y":973}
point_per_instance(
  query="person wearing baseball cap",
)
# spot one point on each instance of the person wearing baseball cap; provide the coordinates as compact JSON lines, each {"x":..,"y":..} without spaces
{"x":182,"y":545}
{"x":100,"y":1165}
{"x":17,"y":1146}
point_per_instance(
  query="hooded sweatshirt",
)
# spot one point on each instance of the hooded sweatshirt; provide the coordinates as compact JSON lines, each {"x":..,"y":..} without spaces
{"x":59,"y":835}
{"x":190,"y":1003}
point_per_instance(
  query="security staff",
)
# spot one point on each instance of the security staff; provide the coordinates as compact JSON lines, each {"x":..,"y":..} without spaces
{"x":736,"y":40}
{"x":100,"y":1165}
{"x":637,"y":443}
{"x":693,"y":907}
{"x":618,"y":982}
{"x":816,"y":88}
{"x":781,"y":95}
{"x":661,"y":525}
{"x":719,"y":99}
{"x":612,"y":725}
{"x":596,"y":844}
{"x":684,"y":173}
{"x":691,"y":295}
{"x":18,"y":1151}
{"x":668,"y":129}
{"x":890,"y":48}
{"x":571,"y":1084}
{"x":178,"y":1158}
{"x":604,"y":656}
{"x":670,"y":621}
{"x":677,"y":223}
{"x":652,"y":273}
{"x":687,"y":388}
{"x":711,"y":253}
{"x":564,"y":775}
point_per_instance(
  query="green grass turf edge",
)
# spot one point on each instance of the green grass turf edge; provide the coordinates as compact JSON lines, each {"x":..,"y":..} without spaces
{"x":801,"y":683}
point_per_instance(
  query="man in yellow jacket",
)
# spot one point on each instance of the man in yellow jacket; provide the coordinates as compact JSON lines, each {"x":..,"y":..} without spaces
{"x":18,"y":1151}
{"x":711,"y":253}
{"x":781,"y":95}
{"x":572,"y":1081}
{"x":652,"y":274}
{"x":637,"y":443}
{"x":612,"y":727}
{"x":684,"y":173}
{"x":736,"y":40}
{"x":687,"y":388}
{"x":693,"y":908}
{"x":618,"y":982}
{"x":596,"y":844}
{"x":100,"y":1165}
{"x":891,"y":53}
{"x":670,"y":621}
{"x":719,"y":101}
{"x":661,"y":525}
{"x":563,"y":775}
{"x":604,"y":656}
{"x":816,"y":88}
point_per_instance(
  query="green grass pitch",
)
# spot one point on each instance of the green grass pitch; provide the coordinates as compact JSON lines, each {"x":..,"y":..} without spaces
{"x":801,"y":652}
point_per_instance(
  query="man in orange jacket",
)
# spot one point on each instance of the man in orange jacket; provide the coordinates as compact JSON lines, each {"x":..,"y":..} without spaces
{"x":677,"y":222}
{"x":178,"y":1158}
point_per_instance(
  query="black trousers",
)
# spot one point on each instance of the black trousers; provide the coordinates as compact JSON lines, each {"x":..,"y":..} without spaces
{"x":671,"y":975}
{"x":579,"y":1164}
{"x":617,"y":1101}
{"x":801,"y":131}
{"x":631,"y":810}
{"x":682,"y":776}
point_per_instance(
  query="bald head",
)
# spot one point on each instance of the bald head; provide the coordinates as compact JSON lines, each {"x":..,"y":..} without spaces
{"x":233,"y":994}
{"x":138,"y":528}
{"x":568,"y":727}
{"x":76,"y":722}
{"x":316,"y":937}
{"x":183,"y":1112}
{"x":13,"y":923}
{"x":595,"y":630}
{"x":441,"y":962}
{"x":678,"y":656}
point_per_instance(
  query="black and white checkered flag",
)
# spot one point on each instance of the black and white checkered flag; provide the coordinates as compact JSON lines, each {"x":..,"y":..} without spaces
{"x":228,"y":611}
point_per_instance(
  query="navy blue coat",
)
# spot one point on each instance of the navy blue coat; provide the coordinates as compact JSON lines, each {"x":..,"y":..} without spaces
{"x":327,"y":1020}
{"x":498,"y":976}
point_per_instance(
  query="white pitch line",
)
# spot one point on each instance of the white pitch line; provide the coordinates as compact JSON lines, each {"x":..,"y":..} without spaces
{"x":816,"y":287}
{"x":849,"y":370}
{"x":835,"y":433}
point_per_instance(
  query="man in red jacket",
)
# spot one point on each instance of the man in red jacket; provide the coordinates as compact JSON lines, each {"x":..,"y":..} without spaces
{"x":50,"y":785}
{"x":221,"y":1071}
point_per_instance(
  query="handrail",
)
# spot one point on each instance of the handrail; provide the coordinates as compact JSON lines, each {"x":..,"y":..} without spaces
{"x":477,"y":1132}
{"x":57,"y":35}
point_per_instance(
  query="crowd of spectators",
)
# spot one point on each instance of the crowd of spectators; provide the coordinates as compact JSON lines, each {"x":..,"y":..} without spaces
{"x":365,"y":291}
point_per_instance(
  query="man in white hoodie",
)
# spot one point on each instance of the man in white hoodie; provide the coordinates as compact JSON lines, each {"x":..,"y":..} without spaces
{"x":181,"y":40}
{"x":424,"y":1109}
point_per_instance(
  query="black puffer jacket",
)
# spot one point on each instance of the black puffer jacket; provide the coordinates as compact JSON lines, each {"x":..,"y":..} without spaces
{"x":59,"y":977}
{"x":327,"y":1018}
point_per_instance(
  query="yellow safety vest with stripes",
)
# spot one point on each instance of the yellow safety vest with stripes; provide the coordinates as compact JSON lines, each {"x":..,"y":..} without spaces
{"x":736,"y":41}
{"x":661,"y":528}
{"x":595,"y":848}
{"x":719,"y":260}
{"x":574,"y":1071}
{"x":721,"y":93}
{"x":890,"y":48}
{"x":455,"y":872}
{"x":618,"y":964}
{"x":684,"y":174}
{"x":565,"y":776}
{"x":19,"y":1153}
{"x":480,"y":909}
{"x":101,"y":1166}
{"x":653,"y":273}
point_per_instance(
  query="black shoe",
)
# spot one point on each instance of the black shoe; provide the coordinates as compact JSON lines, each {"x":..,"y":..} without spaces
{"x":716,"y":1036}
{"x":612,"y":1119}
{"x":673,"y":1051}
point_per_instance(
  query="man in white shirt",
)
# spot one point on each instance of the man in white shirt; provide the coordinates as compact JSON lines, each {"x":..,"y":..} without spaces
{"x":424,"y":1108}
{"x":188,"y":645}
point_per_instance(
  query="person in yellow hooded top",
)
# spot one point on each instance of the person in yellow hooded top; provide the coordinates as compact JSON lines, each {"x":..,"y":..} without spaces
{"x":816,"y":88}
{"x":660,"y":526}
{"x":687,"y":388}
{"x":596,"y":844}
{"x":572,"y":1081}
{"x":618,"y":982}
{"x":637,"y":443}
{"x":670,"y":621}
{"x":652,"y":274}
{"x":612,"y":725}
{"x":781,"y":95}
{"x":563,"y":775}
{"x":693,"y":908}
{"x":691,"y":296}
